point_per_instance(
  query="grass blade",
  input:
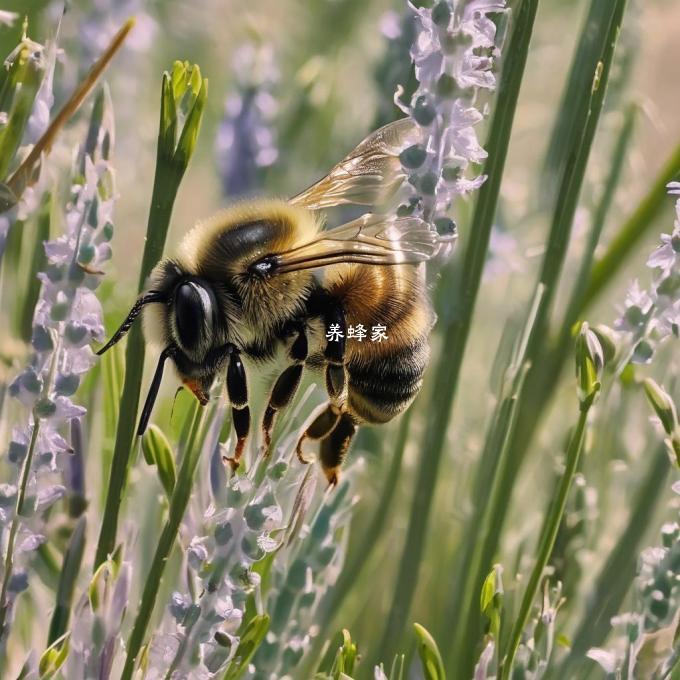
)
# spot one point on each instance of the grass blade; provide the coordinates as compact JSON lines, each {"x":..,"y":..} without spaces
{"x":171,"y":164}
{"x":67,"y":582}
{"x":633,"y":231}
{"x":618,"y":572}
{"x":572,"y":180}
{"x":584,"y":125}
{"x":178,"y":504}
{"x":456,"y":330}
{"x":37,"y":264}
{"x":575,"y":97}
{"x":552,"y":525}
{"x":599,"y":217}
{"x":476,"y":560}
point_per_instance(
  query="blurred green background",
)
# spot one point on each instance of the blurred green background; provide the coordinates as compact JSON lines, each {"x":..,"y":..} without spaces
{"x":328,"y":53}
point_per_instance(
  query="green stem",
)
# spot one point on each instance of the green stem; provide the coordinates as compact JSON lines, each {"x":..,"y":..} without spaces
{"x":552,"y":526}
{"x":542,"y":371}
{"x":178,"y":504}
{"x":584,"y":125}
{"x":173,"y":154}
{"x":166,"y":184}
{"x":457,"y":329}
{"x":23,"y":484}
{"x":351,"y":571}
{"x":14,"y":528}
{"x":488,"y":500}
{"x":618,"y":572}
{"x":599,"y":217}
{"x":634,"y":229}
{"x":70,"y":568}
{"x":480,"y":554}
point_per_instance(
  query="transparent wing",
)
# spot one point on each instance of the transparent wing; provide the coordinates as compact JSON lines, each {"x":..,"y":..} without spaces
{"x":370,"y":239}
{"x":368,"y":175}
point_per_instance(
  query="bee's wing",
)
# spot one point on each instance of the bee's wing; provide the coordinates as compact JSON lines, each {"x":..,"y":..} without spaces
{"x":368,"y":175}
{"x":370,"y":239}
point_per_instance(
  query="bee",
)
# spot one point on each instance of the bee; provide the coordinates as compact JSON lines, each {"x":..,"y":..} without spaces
{"x":265,"y":276}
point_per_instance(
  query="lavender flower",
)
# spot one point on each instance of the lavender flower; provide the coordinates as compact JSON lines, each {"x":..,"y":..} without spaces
{"x":256,"y":519}
{"x":453,"y":53}
{"x":667,"y":256}
{"x":8,"y":18}
{"x":100,"y":609}
{"x":647,"y":647}
{"x":246,"y":142}
{"x":652,"y":316}
{"x":67,"y":318}
{"x":298,"y":585}
{"x":106,"y":17}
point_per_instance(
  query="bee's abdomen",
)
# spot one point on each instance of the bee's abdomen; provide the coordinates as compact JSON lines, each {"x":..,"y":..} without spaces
{"x":383,"y":387}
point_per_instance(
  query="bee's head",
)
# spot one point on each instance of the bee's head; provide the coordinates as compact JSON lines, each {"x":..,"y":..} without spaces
{"x":181,"y":315}
{"x":192,"y":318}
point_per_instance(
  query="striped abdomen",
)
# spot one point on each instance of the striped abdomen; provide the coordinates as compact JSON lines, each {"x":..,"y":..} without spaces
{"x":384,"y":376}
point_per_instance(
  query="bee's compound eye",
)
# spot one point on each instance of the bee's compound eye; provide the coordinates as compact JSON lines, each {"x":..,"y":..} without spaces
{"x":193,"y":314}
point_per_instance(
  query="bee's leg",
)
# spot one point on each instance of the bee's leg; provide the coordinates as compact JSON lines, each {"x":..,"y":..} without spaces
{"x":334,"y":447}
{"x":285,"y":386}
{"x":237,"y":390}
{"x":322,"y":425}
{"x":334,"y":354}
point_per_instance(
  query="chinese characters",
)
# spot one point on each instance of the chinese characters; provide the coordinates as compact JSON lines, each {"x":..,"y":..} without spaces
{"x":378,"y":333}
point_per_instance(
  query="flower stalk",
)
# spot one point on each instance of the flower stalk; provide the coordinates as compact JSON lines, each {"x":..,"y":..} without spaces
{"x":183,"y":95}
{"x":456,"y":330}
{"x":178,"y":504}
{"x":589,"y":365}
{"x":67,"y":318}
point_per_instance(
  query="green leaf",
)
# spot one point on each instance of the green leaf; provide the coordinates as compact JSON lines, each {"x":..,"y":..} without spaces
{"x":491,"y":601}
{"x":167,"y":181}
{"x":345,"y":657}
{"x":575,"y":97}
{"x":589,"y":76}
{"x":192,"y":125}
{"x":167,"y":132}
{"x":433,"y":666}
{"x":250,"y":641}
{"x":53,"y":657}
{"x":38,"y":263}
{"x":456,"y":332}
{"x":662,"y":404}
{"x":157,"y":451}
{"x":26,"y":76}
{"x":67,"y":582}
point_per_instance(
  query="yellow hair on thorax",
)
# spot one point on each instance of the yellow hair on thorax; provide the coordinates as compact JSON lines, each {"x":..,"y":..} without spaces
{"x":298,"y":225}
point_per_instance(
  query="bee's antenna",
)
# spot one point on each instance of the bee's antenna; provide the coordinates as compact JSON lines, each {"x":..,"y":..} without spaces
{"x":152,"y":296}
{"x":153,"y":390}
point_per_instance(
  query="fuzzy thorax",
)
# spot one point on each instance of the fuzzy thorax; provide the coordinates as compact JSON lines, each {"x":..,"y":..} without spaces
{"x":220,"y":250}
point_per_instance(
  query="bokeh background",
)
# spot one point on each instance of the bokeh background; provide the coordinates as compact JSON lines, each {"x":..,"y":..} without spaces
{"x":329,"y":68}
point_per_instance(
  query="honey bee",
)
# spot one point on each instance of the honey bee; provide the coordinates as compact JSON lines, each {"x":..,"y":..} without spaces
{"x":265,"y":276}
